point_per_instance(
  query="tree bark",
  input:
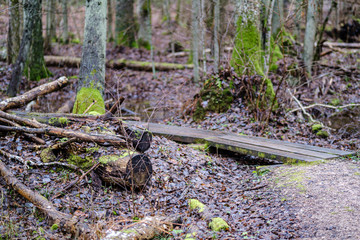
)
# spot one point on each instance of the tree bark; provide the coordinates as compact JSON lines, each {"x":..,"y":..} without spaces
{"x":50,"y":23}
{"x":310,"y":32}
{"x":65,"y":28}
{"x":144,"y":33}
{"x":195,"y":38}
{"x":110,"y":35}
{"x":125,"y":23}
{"x":30,"y":10}
{"x":92,"y":70}
{"x":13,"y":40}
{"x":216,"y":35}
{"x":277,"y":17}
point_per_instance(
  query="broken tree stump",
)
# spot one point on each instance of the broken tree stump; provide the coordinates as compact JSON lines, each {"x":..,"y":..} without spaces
{"x":128,"y":170}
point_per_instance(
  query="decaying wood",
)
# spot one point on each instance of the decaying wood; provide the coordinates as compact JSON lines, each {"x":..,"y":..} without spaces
{"x":342,"y":45}
{"x":33,"y":94}
{"x":147,"y":228}
{"x":132,"y":171}
{"x":60,"y":61}
{"x":65,"y":221}
{"x":139,"y":139}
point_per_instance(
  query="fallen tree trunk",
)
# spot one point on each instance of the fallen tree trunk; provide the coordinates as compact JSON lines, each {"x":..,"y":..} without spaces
{"x":33,"y":94}
{"x":60,"y":61}
{"x":147,"y":228}
{"x":64,"y":221}
{"x":341,"y":45}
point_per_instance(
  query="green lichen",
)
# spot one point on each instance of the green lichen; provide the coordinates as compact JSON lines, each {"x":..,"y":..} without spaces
{"x":59,"y":121}
{"x":218,"y":224}
{"x":86,"y":97}
{"x":47,"y":155}
{"x":196,"y":204}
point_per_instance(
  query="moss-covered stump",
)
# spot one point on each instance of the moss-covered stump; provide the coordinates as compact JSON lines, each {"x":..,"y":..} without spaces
{"x":89,"y":100}
{"x":127,"y":170}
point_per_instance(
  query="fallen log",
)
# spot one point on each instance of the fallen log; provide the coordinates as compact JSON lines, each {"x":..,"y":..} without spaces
{"x":341,"y":45}
{"x":128,"y":170}
{"x":147,"y":228}
{"x":60,"y":61}
{"x":33,"y":94}
{"x":64,"y":221}
{"x":139,"y":139}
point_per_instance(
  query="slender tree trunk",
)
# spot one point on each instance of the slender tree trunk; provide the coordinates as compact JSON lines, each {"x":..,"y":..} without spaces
{"x":216,"y":35}
{"x":277,"y":17}
{"x":92,"y":70}
{"x":203,"y":35}
{"x":31,"y":8}
{"x":35,"y":68}
{"x":144,"y":33}
{"x":50,"y":23}
{"x":195,"y":37}
{"x":125,"y":23}
{"x":297,"y":18}
{"x":310,"y":32}
{"x":65,"y":32}
{"x":13,"y":41}
{"x":178,"y":11}
{"x":110,"y":35}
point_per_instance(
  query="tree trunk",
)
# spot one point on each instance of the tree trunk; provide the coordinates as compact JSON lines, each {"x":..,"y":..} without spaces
{"x":125,"y":23}
{"x":277,"y":17}
{"x":65,"y":33}
{"x":92,"y":70}
{"x":144,"y":33}
{"x":297,"y":18}
{"x":35,"y":68}
{"x":110,"y":5}
{"x":50,"y":24}
{"x":216,"y":35}
{"x":13,"y":41}
{"x":30,"y":9}
{"x":310,"y":32}
{"x":195,"y":37}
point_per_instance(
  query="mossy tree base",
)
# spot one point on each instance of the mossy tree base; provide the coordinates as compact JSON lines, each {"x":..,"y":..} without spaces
{"x":89,"y":100}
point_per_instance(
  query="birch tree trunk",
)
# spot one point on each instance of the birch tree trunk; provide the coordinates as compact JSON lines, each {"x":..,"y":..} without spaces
{"x":310,"y":32}
{"x":65,"y":27}
{"x":144,"y":33}
{"x":125,"y":23}
{"x":195,"y":38}
{"x":92,"y":69}
{"x":216,"y":35}
{"x":13,"y":40}
{"x":30,"y":8}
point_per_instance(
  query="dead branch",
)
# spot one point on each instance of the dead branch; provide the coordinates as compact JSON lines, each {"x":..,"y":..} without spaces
{"x":324,"y":105}
{"x":61,"y":61}
{"x":33,"y":94}
{"x":341,"y":45}
{"x":66,"y":222}
{"x":147,"y":228}
{"x":301,"y":107}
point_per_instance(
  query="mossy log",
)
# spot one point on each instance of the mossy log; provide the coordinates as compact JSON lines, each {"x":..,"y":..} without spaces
{"x":60,"y":61}
{"x":128,"y":170}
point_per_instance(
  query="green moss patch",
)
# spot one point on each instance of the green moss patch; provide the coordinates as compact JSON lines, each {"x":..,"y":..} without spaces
{"x":86,"y":97}
{"x":196,"y":204}
{"x":218,"y":224}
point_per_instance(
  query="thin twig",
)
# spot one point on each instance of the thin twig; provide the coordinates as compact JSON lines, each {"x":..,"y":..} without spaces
{"x":301,"y":106}
{"x":324,"y":105}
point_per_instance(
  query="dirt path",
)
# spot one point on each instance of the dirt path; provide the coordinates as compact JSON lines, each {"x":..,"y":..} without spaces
{"x":325,"y":196}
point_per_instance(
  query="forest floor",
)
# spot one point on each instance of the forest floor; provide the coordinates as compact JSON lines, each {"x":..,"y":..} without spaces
{"x":318,"y":201}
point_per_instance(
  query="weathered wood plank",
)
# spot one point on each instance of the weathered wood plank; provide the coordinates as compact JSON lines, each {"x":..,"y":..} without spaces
{"x":249,"y":145}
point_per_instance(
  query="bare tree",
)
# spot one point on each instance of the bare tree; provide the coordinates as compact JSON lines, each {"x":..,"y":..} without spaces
{"x":125,"y":23}
{"x":144,"y":33}
{"x":195,"y":37}
{"x":65,"y":28}
{"x":13,"y":41}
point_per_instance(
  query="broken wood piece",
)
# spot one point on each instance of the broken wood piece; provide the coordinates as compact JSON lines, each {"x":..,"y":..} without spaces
{"x":127,"y":170}
{"x":341,"y":45}
{"x":60,"y":61}
{"x":64,"y":221}
{"x":33,"y":94}
{"x":146,"y":228}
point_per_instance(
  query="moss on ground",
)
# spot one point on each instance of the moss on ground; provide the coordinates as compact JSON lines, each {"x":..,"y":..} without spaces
{"x":86,"y":97}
